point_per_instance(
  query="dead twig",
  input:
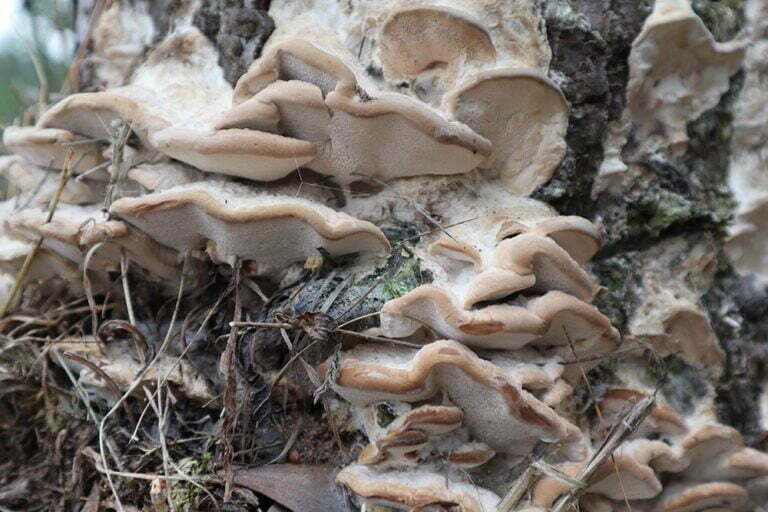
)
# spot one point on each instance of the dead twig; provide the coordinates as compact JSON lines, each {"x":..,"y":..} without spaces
{"x":72,"y":82}
{"x":620,"y":431}
{"x":227,"y":367}
{"x":110,"y":383}
{"x":599,"y":414}
{"x":126,"y":287}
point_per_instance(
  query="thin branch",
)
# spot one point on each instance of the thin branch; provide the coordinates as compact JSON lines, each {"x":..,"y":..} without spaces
{"x":230,"y":409}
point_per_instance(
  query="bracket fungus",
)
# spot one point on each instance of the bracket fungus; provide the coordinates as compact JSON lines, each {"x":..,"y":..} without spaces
{"x":747,"y":246}
{"x":524,"y":116}
{"x":405,"y":440}
{"x":506,"y":283}
{"x":413,"y":43}
{"x":508,"y":419}
{"x":15,"y":248}
{"x":74,"y":229}
{"x":677,"y":71}
{"x":235,"y":152}
{"x":40,"y":184}
{"x":231,"y":222}
{"x":163,"y":175}
{"x":47,"y":147}
{"x":348,"y":132}
{"x":415,"y":490}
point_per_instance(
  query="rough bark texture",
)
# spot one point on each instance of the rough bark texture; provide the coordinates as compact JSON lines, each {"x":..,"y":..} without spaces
{"x":686,"y":196}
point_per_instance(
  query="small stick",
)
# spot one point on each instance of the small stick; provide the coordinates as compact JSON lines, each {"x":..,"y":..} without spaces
{"x":227,"y":367}
{"x":274,"y":325}
{"x":115,"y":169}
{"x":279,"y":325}
{"x":603,"y":356}
{"x":516,"y":492}
{"x":28,"y":261}
{"x":42,"y":78}
{"x":99,"y":167}
{"x":378,"y":338}
{"x":425,"y":233}
{"x":72,"y":83}
{"x":599,"y":414}
{"x":126,"y":288}
{"x":628,"y":424}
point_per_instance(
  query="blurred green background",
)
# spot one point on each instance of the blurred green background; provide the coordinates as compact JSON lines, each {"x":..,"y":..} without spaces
{"x":43,"y":28}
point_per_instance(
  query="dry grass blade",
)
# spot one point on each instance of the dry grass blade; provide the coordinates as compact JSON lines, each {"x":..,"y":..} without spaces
{"x":116,"y":167}
{"x":273,"y":325}
{"x":111,"y":384}
{"x":289,"y":444}
{"x":137,"y":380}
{"x":112,"y":327}
{"x":88,"y":287}
{"x":230,"y":391}
{"x":64,"y":177}
{"x":42,"y":78}
{"x":126,"y":287}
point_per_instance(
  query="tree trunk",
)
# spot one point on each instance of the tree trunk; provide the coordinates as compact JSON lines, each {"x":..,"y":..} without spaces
{"x":483,"y":192}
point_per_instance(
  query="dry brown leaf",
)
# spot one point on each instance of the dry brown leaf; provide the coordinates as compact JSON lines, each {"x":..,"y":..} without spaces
{"x":299,"y":487}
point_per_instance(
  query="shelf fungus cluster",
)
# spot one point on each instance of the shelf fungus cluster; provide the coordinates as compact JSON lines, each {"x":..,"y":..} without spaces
{"x":670,"y":464}
{"x":309,"y":102}
{"x":473,"y":373}
{"x":490,"y":365}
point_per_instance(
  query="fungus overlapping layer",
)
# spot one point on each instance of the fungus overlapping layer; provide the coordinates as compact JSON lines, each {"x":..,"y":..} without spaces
{"x":692,"y":467}
{"x":480,"y":105}
{"x":14,"y":249}
{"x":231,"y":222}
{"x":48,"y":147}
{"x":75,"y":229}
{"x":308,"y":102}
{"x":511,"y":281}
{"x":504,"y":283}
{"x":40,"y":184}
{"x":508,"y":419}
